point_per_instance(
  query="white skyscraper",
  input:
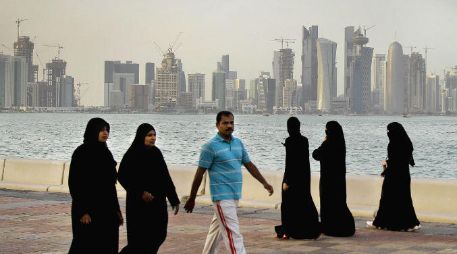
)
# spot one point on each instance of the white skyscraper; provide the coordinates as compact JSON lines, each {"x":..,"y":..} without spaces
{"x":326,"y":77}
{"x":378,"y":78}
{"x":395,"y":89}
{"x":432,"y":94}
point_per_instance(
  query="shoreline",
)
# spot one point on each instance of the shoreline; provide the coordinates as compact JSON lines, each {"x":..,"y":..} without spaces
{"x":434,"y":200}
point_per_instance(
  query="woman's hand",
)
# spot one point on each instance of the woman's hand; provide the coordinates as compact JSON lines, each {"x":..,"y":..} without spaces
{"x":85,"y":219}
{"x":175,"y":208}
{"x":147,"y":197}
{"x":285,"y":186}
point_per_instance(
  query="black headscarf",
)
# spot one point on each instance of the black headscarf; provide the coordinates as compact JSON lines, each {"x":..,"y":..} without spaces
{"x":335,"y":134}
{"x":398,"y":138}
{"x":397,"y":134}
{"x":141,"y":133}
{"x":93,"y":128}
{"x":293,"y":126}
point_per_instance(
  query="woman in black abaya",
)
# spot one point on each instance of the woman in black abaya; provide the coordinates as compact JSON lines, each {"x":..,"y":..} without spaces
{"x":298,"y":213}
{"x":144,"y":175}
{"x":95,"y":213}
{"x":396,"y":210}
{"x":336,"y":219}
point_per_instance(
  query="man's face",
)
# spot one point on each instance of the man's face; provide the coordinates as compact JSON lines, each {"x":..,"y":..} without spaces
{"x":226,"y":125}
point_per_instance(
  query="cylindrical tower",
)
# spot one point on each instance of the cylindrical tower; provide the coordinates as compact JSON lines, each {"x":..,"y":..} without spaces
{"x":394,"y":91}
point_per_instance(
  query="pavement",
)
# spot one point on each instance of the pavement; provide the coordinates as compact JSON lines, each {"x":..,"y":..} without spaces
{"x":39,"y":222}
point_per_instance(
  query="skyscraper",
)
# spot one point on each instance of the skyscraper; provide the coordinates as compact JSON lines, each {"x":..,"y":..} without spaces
{"x":283,"y":68}
{"x":196,"y":87}
{"x":327,"y":76}
{"x":56,"y":82}
{"x":13,"y":81}
{"x":290,"y":93}
{"x":167,"y":84}
{"x":124,"y":74}
{"x":24,"y":47}
{"x":348,"y":56}
{"x":432,"y":94}
{"x":395,"y":89}
{"x":181,"y":77}
{"x":149,"y":73}
{"x":309,"y":64}
{"x":417,"y":82}
{"x":359,"y":72}
{"x":219,"y":89}
{"x":378,"y":74}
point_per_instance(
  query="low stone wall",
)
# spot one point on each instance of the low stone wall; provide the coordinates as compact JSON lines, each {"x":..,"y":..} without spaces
{"x":434,"y":200}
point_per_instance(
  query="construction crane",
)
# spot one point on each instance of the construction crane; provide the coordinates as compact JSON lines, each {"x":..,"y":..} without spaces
{"x":58,"y":46}
{"x":173,"y":44}
{"x":411,"y":48}
{"x":8,"y":48}
{"x":366,"y":29}
{"x":78,"y":93}
{"x":287,"y":41}
{"x":18,"y":23}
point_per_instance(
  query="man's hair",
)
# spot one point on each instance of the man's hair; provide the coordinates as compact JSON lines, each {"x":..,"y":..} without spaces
{"x":222,"y":113}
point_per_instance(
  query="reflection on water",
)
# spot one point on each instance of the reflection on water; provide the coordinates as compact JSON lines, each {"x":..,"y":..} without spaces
{"x":55,"y":136}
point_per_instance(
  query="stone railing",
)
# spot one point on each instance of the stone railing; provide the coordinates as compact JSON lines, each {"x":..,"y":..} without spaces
{"x":434,"y":200}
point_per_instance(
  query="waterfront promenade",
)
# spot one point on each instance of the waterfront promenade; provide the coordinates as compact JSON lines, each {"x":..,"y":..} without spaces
{"x":39,"y":222}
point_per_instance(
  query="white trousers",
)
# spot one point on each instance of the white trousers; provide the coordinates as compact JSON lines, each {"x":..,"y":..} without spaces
{"x":225,"y":226}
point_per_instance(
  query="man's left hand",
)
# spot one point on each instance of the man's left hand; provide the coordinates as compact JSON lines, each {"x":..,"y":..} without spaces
{"x":269,"y":188}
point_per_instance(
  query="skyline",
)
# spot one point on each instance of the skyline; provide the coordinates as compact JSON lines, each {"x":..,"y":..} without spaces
{"x":210,"y":29}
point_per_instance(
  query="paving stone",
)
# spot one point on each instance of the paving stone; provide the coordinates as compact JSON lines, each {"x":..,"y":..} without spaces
{"x":38,"y":222}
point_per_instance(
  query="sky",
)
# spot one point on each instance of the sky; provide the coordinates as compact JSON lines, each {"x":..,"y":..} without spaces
{"x":92,"y":32}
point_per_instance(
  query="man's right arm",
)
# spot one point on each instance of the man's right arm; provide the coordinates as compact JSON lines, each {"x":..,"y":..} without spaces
{"x":190,"y":203}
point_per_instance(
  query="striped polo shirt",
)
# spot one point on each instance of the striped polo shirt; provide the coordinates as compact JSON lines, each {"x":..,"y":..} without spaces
{"x":223,"y":160}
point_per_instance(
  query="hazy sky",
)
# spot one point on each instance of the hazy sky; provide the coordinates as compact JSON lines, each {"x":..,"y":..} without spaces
{"x":92,"y":31}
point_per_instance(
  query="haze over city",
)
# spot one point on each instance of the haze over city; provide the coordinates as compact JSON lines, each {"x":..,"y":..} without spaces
{"x":92,"y":32}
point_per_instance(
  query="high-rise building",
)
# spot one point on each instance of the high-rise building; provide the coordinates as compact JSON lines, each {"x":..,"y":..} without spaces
{"x":138,"y":97}
{"x":348,"y":56}
{"x":67,"y":92}
{"x":417,"y":82}
{"x":167,"y":84}
{"x":359,"y":72}
{"x":432,"y":94}
{"x":225,"y":63}
{"x":290,"y":93}
{"x":219,"y":89}
{"x":396,"y":80}
{"x":196,"y":87}
{"x":451,"y":87}
{"x":182,"y":77}
{"x":149,"y":73}
{"x":6,"y":81}
{"x":327,"y":74}
{"x":24,"y":47}
{"x":378,"y":74}
{"x":309,"y":64}
{"x":283,"y":68}
{"x":126,"y":74}
{"x":56,"y":81}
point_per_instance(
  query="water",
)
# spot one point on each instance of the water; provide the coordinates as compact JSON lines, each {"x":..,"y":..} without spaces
{"x":55,"y":136}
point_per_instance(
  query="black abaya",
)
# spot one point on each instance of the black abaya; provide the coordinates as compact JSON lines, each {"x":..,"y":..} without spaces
{"x":144,"y":169}
{"x":396,"y":210}
{"x":336,"y":218}
{"x":298,"y":213}
{"x":92,"y":181}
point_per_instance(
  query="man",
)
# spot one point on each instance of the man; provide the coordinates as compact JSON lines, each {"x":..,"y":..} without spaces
{"x":223,"y":156}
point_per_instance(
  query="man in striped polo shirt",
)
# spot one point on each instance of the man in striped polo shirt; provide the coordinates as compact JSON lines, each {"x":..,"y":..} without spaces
{"x":223,"y":156}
